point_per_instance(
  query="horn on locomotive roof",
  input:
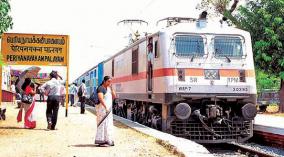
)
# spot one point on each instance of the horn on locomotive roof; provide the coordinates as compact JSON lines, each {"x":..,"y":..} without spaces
{"x":202,"y":20}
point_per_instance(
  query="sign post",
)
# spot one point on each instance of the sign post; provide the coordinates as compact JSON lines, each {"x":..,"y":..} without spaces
{"x":35,"y":49}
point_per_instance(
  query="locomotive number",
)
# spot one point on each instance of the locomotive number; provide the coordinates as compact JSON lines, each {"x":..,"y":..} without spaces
{"x":240,"y":89}
{"x":233,"y":79}
{"x":184,"y":89}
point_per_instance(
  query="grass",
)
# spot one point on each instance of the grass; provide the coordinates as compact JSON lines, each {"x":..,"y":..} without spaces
{"x":170,"y":147}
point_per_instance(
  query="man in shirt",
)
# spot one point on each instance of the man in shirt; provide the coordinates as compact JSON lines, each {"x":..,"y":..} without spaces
{"x":82,"y":98}
{"x":52,"y":90}
{"x":62,"y":95}
{"x":150,"y":59}
{"x":72,"y":93}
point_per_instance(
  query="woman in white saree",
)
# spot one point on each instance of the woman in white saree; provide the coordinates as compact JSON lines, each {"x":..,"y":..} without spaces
{"x":106,"y":95}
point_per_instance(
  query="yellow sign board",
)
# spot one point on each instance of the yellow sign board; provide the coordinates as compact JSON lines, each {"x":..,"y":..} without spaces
{"x":34,"y":49}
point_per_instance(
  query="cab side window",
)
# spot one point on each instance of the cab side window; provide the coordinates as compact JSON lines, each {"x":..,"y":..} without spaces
{"x":156,"y":49}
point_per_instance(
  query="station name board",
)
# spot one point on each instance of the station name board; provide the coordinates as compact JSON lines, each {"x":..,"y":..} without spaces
{"x":34,"y":49}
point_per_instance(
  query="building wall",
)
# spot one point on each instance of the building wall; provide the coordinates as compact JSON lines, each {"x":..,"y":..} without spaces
{"x":6,"y":78}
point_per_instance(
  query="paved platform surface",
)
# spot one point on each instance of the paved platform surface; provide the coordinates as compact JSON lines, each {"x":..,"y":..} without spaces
{"x":74,"y":137}
{"x":269,"y":123}
{"x":184,"y":146}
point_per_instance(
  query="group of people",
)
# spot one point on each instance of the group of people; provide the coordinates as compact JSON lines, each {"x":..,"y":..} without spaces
{"x":51,"y":89}
{"x":73,"y":92}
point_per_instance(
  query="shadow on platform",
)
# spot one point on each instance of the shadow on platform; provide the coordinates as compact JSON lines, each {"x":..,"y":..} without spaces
{"x":13,"y":127}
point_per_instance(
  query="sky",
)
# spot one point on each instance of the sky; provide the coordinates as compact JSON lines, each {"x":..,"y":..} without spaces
{"x":92,"y":24}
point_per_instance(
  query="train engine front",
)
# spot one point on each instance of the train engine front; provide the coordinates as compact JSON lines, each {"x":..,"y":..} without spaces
{"x":211,"y":94}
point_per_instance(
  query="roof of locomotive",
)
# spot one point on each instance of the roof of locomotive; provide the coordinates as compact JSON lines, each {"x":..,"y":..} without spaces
{"x":211,"y":27}
{"x":191,"y":27}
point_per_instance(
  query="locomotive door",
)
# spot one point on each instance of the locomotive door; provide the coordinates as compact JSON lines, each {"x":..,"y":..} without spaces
{"x":150,"y":62}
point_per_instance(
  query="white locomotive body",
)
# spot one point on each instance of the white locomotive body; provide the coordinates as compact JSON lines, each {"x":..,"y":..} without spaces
{"x":198,"y":83}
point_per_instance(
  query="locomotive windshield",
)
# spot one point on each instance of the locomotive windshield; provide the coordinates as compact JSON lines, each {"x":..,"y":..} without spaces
{"x":225,"y":46}
{"x":189,"y":45}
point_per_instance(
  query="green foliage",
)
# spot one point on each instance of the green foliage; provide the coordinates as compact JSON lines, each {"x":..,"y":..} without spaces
{"x":264,"y":20}
{"x":5,"y":18}
{"x":266,"y":81}
{"x":1,"y":60}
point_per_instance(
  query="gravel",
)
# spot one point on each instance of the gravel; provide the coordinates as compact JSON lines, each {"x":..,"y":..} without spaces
{"x":224,"y":150}
{"x":266,"y":149}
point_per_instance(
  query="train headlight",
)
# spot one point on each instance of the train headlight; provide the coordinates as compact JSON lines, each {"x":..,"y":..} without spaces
{"x":182,"y":111}
{"x":211,"y":74}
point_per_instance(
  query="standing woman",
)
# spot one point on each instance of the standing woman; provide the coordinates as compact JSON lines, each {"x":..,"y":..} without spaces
{"x":29,"y":89}
{"x":106,"y":95}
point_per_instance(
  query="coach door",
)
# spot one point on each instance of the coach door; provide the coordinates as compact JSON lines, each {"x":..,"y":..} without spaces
{"x":152,"y":54}
{"x":150,"y":62}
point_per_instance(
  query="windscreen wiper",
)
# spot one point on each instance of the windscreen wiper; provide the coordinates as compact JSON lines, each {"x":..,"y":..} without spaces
{"x":191,"y":60}
{"x":228,"y":59}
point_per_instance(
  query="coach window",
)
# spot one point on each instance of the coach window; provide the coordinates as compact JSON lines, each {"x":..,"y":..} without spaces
{"x":112,"y":66}
{"x":135,"y":61}
{"x":156,"y":49}
{"x":95,"y":73}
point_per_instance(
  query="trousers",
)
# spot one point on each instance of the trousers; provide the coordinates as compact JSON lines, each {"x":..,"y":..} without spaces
{"x":52,"y":110}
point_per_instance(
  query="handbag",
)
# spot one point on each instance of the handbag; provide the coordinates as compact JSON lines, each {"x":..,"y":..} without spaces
{"x":27,"y":98}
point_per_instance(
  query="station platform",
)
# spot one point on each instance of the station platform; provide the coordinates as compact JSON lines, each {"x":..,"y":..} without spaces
{"x":269,"y":130}
{"x":74,"y":136}
{"x":269,"y":123}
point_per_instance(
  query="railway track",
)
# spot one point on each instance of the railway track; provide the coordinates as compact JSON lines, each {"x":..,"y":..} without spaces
{"x":248,"y":151}
{"x":245,"y":150}
{"x":265,"y":139}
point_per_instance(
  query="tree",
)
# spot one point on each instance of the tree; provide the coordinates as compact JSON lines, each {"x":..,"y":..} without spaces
{"x":220,"y":6}
{"x":5,"y":20}
{"x":266,"y":81}
{"x":264,"y":20}
{"x":223,"y":7}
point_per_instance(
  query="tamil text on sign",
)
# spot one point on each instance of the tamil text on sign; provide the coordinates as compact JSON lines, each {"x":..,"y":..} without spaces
{"x":34,"y":49}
